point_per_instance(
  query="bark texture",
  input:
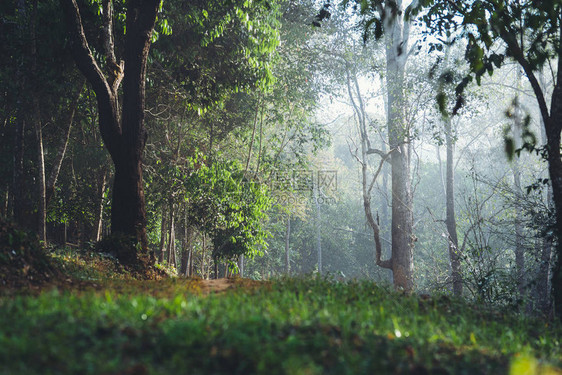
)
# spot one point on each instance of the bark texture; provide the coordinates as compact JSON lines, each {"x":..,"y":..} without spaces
{"x":397,"y":31}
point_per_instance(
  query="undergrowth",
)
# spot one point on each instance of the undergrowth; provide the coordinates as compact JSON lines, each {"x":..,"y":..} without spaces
{"x":289,"y":326}
{"x":23,"y":262}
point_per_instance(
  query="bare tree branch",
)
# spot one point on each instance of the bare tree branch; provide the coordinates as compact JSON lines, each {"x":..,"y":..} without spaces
{"x":107,"y":101}
{"x":376,"y":175}
{"x":81,"y":49}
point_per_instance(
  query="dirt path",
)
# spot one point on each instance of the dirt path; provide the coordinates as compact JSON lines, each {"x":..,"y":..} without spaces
{"x":163,"y":288}
{"x":216,"y":286}
{"x":222,"y":285}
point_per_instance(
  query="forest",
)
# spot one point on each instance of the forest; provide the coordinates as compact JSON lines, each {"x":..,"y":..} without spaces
{"x":280,"y":187}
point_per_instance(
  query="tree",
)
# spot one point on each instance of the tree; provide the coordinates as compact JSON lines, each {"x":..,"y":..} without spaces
{"x":191,"y":63}
{"x":38,"y":108}
{"x":389,"y":18}
{"x":121,"y":123}
{"x":455,"y":255}
{"x":367,"y":179}
{"x":531,"y":32}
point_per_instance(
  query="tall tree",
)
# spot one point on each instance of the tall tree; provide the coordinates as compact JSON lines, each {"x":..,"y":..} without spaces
{"x":396,"y":40}
{"x":516,"y":168}
{"x":450,"y":216}
{"x":450,"y":220}
{"x":389,"y":17}
{"x":121,"y":123}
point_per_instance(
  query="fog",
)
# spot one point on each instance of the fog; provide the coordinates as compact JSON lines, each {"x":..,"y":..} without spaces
{"x":497,"y":203}
{"x":414,"y":146}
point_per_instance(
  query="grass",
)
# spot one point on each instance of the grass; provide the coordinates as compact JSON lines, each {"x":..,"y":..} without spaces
{"x":290,"y":326}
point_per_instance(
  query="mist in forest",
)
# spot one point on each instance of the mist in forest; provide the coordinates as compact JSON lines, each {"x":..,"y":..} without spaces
{"x":477,"y":200}
{"x":398,"y":142}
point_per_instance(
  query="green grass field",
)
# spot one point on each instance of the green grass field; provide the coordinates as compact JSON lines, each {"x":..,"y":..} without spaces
{"x":292,"y":326}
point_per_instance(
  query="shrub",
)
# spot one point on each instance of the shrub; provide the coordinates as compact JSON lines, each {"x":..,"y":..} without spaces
{"x":23,"y":261}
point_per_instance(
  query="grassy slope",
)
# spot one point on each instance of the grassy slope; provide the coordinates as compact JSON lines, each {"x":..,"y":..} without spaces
{"x":312,"y":326}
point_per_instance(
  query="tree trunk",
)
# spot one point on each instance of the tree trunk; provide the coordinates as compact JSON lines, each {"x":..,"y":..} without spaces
{"x":396,"y":41}
{"x":553,"y":127}
{"x":555,"y":170}
{"x":241,"y":265}
{"x":184,"y":260}
{"x":128,"y":214}
{"x":543,"y":279}
{"x":42,"y":209}
{"x":171,"y":240}
{"x":318,"y":230}
{"x":204,"y":273}
{"x":287,"y":240}
{"x":191,"y":255}
{"x":18,"y":200}
{"x":543,"y":285}
{"x":385,"y":221}
{"x":450,"y":219}
{"x":216,"y":268}
{"x":518,"y":224}
{"x":6,"y":203}
{"x":251,"y":146}
{"x":18,"y":190}
{"x":359,"y":108}
{"x":186,"y":249}
{"x":99,"y":212}
{"x":122,"y":131}
{"x":41,"y":202}
{"x":163,"y":231}
{"x":402,"y":222}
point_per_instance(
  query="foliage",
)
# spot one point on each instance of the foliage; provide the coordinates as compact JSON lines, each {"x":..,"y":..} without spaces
{"x":23,"y":261}
{"x":216,"y":48}
{"x":88,"y":265}
{"x":528,"y":30}
{"x":221,"y":200}
{"x":238,"y":210}
{"x":290,"y":326}
{"x":21,"y":82}
{"x":127,"y":250}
